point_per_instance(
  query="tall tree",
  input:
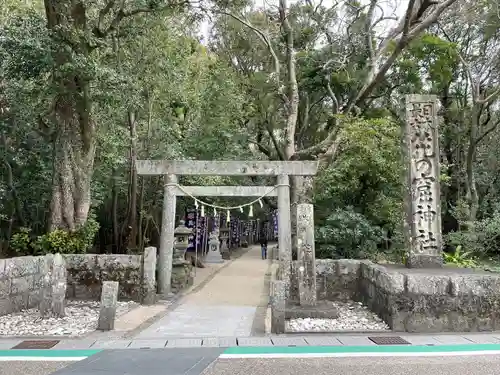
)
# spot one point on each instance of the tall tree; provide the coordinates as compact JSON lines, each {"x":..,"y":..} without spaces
{"x":80,"y":29}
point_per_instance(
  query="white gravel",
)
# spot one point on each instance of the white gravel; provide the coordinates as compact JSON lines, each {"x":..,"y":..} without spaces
{"x":81,"y":318}
{"x":353,"y":316}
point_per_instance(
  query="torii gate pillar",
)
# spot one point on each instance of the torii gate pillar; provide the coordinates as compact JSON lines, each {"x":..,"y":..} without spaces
{"x":173,"y":168}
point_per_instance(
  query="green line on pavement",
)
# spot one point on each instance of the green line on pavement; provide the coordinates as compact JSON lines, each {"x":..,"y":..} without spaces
{"x":47,"y":353}
{"x":239,"y":350}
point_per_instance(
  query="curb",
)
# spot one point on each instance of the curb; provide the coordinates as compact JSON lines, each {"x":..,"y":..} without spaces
{"x":361,"y":351}
{"x":45,"y":355}
{"x":259,"y":321}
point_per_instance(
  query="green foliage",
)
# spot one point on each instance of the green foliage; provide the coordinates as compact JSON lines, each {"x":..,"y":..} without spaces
{"x":212,"y":99}
{"x":439,"y":55}
{"x":20,"y":242}
{"x":59,"y":241}
{"x":482,"y":237}
{"x":25,"y":56}
{"x":460,"y":258}
{"x":347,"y":234}
{"x":56,"y":241}
{"x":428,"y":58}
{"x":367,"y":174}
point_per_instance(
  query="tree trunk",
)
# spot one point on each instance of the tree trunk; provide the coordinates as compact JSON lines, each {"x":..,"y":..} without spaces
{"x":132,"y":217}
{"x":73,"y":167}
{"x":143,"y":231}
{"x":450,"y":191}
{"x":16,"y":203}
{"x":114,"y":213}
{"x":471,"y":194}
{"x":75,"y":144}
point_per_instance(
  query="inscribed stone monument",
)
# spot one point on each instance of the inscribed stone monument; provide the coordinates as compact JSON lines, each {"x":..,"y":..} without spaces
{"x":306,"y":256}
{"x":423,"y":209}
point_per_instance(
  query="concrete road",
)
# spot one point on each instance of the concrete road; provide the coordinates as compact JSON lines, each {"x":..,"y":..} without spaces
{"x":206,"y":362}
{"x":31,"y":368}
{"x":474,"y":365}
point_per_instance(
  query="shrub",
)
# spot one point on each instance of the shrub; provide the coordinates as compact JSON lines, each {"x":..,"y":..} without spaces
{"x":347,"y":234}
{"x":56,"y":241}
{"x":20,"y":243}
{"x":460,"y":259}
{"x":481,"y":239}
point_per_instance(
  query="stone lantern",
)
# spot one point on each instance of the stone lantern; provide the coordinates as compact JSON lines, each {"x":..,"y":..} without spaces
{"x":181,"y":235}
{"x":224,"y":238}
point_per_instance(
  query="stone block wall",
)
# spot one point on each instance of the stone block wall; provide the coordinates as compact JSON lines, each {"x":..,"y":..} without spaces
{"x":413,"y":300}
{"x":22,"y":280}
{"x":87,"y":272}
{"x":335,"y":279}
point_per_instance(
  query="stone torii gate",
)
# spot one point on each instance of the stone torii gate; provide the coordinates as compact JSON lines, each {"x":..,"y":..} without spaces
{"x":170,"y":169}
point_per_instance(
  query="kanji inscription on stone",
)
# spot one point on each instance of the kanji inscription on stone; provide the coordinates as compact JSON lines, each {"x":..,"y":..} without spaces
{"x":306,"y":257}
{"x":423,"y":194}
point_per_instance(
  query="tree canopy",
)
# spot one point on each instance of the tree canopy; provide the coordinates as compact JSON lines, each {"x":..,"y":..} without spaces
{"x":89,"y":86}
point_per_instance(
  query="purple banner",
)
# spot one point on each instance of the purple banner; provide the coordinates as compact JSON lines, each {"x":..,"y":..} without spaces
{"x":233,"y":233}
{"x":200,"y":230}
{"x":275,"y":223}
{"x":191,"y":219}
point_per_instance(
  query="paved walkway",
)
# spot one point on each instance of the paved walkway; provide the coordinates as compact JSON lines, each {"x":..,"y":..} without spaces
{"x":225,"y":307}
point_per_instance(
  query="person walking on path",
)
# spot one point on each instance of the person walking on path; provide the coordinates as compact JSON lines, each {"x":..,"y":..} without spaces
{"x":263,"y":245}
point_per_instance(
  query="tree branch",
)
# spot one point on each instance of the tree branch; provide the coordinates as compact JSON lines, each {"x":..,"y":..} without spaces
{"x":276,"y":144}
{"x":293,"y":89}
{"x":475,"y":87}
{"x":412,"y":33}
{"x":368,"y":34}
{"x":122,"y":14}
{"x":265,"y":39}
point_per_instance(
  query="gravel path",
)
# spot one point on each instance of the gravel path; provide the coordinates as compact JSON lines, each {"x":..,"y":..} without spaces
{"x":81,"y":318}
{"x":353,"y":316}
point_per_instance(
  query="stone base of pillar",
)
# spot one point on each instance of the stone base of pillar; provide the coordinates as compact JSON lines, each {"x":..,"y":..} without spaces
{"x":278,"y":302}
{"x":424,"y":261}
{"x":214,"y":256}
{"x":226,"y":254}
{"x":182,"y":276}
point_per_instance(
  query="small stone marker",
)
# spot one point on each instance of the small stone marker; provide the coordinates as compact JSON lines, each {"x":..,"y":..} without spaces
{"x":214,"y":255}
{"x":59,"y":282}
{"x":306,"y":256}
{"x":109,"y":299}
{"x":54,"y":286}
{"x":278,"y":306}
{"x":149,"y":276}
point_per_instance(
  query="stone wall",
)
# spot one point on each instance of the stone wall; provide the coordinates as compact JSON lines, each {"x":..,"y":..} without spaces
{"x":22,"y":281}
{"x":335,"y":279}
{"x":414,"y":300}
{"x":87,"y":272}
